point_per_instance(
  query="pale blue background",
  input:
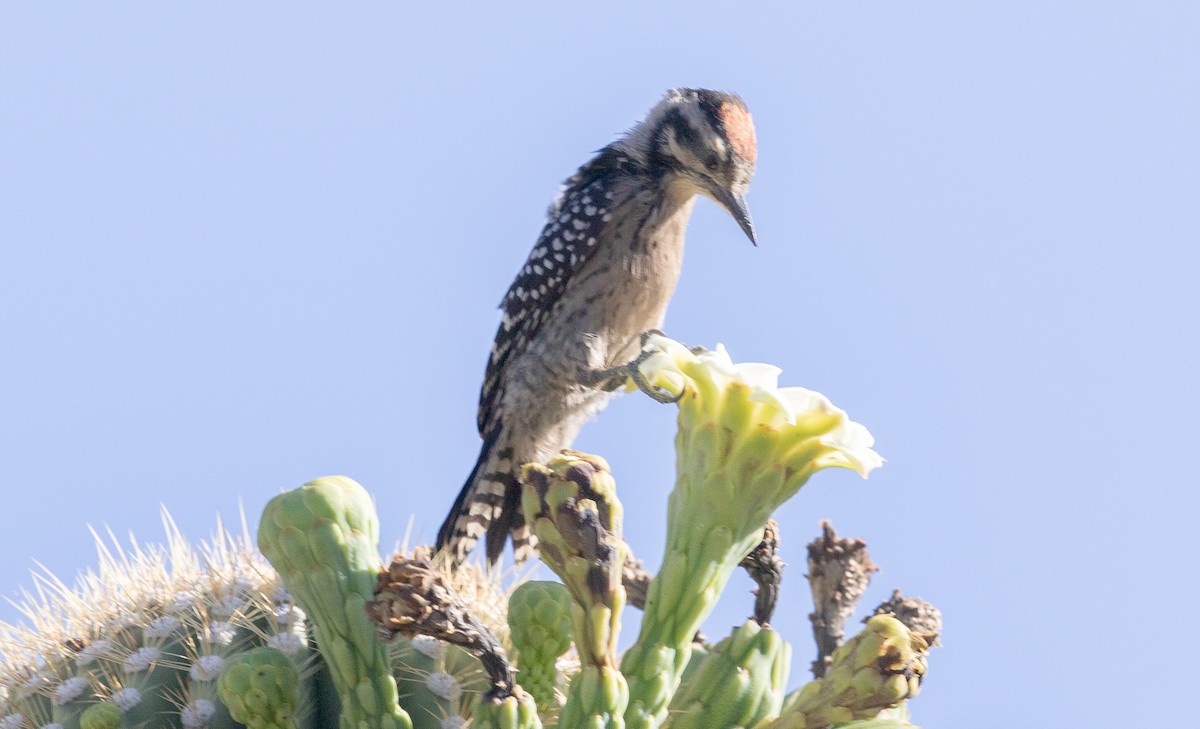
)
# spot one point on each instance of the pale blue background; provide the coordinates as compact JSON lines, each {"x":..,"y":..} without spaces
{"x":247,"y":244}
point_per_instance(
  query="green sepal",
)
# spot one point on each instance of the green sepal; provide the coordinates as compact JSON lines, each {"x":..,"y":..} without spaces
{"x":101,"y":715}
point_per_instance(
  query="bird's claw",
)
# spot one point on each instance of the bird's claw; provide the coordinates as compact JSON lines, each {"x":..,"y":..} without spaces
{"x":645,"y":336}
{"x":613,"y":378}
{"x":657,"y":394}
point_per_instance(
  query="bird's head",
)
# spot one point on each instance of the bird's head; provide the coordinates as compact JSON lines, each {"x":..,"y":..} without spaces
{"x":705,"y":139}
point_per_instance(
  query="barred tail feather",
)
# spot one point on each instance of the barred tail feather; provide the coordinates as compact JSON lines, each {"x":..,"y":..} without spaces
{"x":489,"y":502}
{"x":511,"y":521}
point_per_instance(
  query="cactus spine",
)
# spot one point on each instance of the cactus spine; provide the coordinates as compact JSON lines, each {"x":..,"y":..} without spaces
{"x":147,"y":634}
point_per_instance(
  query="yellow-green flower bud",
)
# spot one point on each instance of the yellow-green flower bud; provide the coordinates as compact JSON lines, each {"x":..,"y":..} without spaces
{"x":259,"y":688}
{"x":104,"y":715}
{"x":875,"y":671}
{"x":539,"y":618}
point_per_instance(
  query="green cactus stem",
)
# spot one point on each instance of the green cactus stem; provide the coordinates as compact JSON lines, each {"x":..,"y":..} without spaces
{"x":323,"y":539}
{"x":875,"y":671}
{"x":429,"y":684}
{"x":571,"y":506}
{"x":743,"y":447}
{"x":539,"y":621}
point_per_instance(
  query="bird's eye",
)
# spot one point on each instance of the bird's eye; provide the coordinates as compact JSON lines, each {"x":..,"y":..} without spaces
{"x":713,"y":164}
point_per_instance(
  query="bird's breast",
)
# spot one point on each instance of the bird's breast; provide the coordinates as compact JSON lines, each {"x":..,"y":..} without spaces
{"x":626,"y":287}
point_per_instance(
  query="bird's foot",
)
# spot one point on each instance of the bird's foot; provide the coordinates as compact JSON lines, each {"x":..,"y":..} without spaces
{"x":613,"y":377}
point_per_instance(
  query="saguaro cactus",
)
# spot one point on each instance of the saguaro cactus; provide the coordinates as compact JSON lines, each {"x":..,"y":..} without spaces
{"x":151,"y":659}
{"x":146,"y":635}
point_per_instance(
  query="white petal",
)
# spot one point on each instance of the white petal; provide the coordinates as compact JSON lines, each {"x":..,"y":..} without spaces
{"x":657,"y":362}
{"x":780,"y":408}
{"x":803,"y":400}
{"x":853,"y":442}
{"x":758,"y":374}
{"x":718,"y":362}
{"x":659,"y":343}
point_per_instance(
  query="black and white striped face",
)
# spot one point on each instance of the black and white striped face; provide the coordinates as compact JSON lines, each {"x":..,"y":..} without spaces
{"x":705,"y":138}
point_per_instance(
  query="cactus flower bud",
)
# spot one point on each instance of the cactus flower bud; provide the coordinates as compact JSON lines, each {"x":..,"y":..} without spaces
{"x":259,"y":688}
{"x":539,"y":620}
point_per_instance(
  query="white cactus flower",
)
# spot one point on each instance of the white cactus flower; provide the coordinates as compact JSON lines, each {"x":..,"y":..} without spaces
{"x":797,"y":414}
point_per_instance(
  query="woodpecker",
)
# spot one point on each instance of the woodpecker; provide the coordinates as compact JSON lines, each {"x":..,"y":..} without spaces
{"x":601,"y":273}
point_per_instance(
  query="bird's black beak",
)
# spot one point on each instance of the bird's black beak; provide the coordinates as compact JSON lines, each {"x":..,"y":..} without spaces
{"x":735,"y":204}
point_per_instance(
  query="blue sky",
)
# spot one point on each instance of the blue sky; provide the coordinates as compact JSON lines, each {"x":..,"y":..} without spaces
{"x":248,"y":245}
